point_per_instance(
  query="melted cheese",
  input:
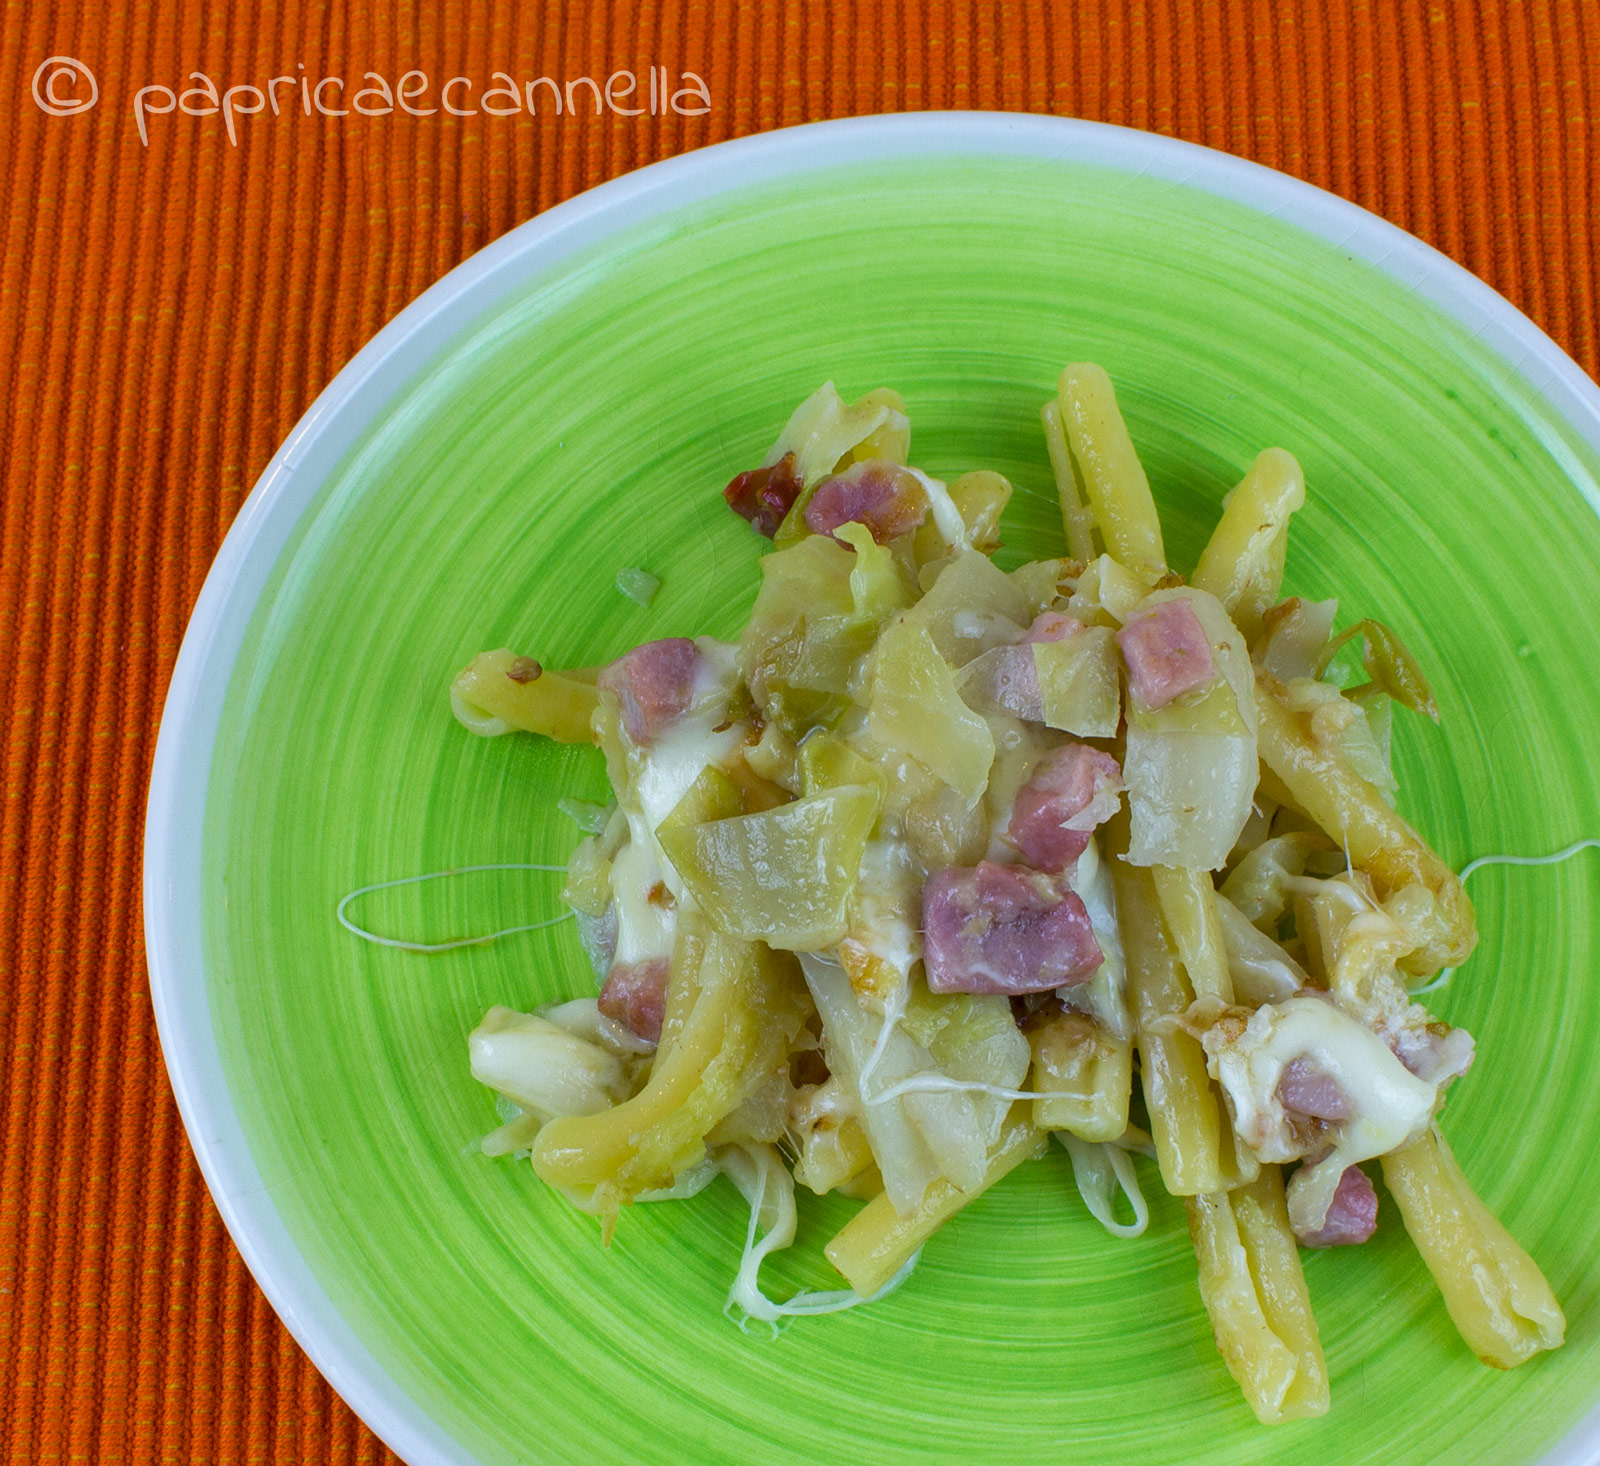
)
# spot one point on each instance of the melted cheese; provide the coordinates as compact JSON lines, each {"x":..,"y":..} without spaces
{"x":671,"y":765}
{"x":661,"y":774}
{"x":1388,"y":1104}
{"x":645,"y":928}
{"x":888,"y":911}
{"x":943,"y":508}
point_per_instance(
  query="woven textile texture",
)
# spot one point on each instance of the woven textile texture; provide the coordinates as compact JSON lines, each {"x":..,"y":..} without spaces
{"x":176,"y":289}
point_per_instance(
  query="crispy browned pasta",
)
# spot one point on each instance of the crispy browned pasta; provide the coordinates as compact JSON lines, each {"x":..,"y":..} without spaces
{"x":1379,"y":842}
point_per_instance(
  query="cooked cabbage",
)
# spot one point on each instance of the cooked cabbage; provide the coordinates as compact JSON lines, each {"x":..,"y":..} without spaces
{"x":1191,"y":767}
{"x":916,"y":708}
{"x":972,"y":606}
{"x":783,"y":876}
{"x":1080,"y":690}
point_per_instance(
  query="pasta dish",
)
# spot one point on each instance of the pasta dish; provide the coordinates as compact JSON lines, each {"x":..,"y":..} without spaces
{"x":940,"y":861}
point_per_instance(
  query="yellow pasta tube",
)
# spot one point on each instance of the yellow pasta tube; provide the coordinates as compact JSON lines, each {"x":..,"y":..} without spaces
{"x":520,"y":694}
{"x":1495,"y":1293}
{"x":834,"y":1154}
{"x":1236,"y":1160}
{"x":1274,"y":1256}
{"x":721,"y":1037}
{"x":1264,"y":590}
{"x":981,"y":498}
{"x":875,"y":1243}
{"x":1257,"y":1358}
{"x":1086,"y":1071}
{"x":1240,"y":556}
{"x":684,"y":987}
{"x":1188,"y":903}
{"x":1255,"y":1293}
{"x":1319,"y":780}
{"x":1185,"y":1119}
{"x":1076,"y":518}
{"x":1119,"y":492}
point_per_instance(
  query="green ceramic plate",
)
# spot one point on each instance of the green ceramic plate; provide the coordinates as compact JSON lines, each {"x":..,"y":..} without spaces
{"x":571,"y":402}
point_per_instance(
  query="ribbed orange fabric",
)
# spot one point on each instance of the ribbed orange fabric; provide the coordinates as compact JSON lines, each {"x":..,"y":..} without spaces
{"x":170,"y":309}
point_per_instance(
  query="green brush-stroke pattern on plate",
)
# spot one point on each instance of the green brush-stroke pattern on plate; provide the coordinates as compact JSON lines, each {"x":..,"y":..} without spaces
{"x":588,"y":426}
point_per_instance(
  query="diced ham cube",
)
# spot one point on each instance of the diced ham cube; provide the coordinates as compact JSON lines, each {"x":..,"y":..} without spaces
{"x":1072,"y":790}
{"x":765,"y":495}
{"x":635,"y":994}
{"x":1352,"y":1215}
{"x":1004,"y":929}
{"x":881,"y":496}
{"x":1167,"y":653}
{"x":1308,"y":1090}
{"x":654,"y":684}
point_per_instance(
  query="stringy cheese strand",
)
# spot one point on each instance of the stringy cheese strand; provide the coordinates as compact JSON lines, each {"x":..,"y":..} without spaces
{"x":437,"y":875}
{"x":1473,"y":866}
{"x":751,"y":1168}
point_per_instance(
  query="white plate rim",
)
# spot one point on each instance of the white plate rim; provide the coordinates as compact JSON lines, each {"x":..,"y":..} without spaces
{"x":355,"y":397}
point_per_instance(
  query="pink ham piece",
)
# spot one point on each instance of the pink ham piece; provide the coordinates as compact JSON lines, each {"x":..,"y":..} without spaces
{"x":1434,"y":1052}
{"x":765,"y":495}
{"x":1167,"y":653}
{"x":654,"y":684}
{"x":1051,"y":626}
{"x":1307,"y":1090}
{"x":1004,"y":929}
{"x":1072,"y":790}
{"x":883,"y":497}
{"x":635,"y":995}
{"x":1352,"y":1215}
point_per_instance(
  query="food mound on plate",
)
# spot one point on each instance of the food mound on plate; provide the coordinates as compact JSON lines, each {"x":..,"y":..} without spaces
{"x":940,"y":860}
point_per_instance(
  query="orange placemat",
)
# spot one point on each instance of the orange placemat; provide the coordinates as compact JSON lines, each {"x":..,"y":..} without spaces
{"x":174,"y":291}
